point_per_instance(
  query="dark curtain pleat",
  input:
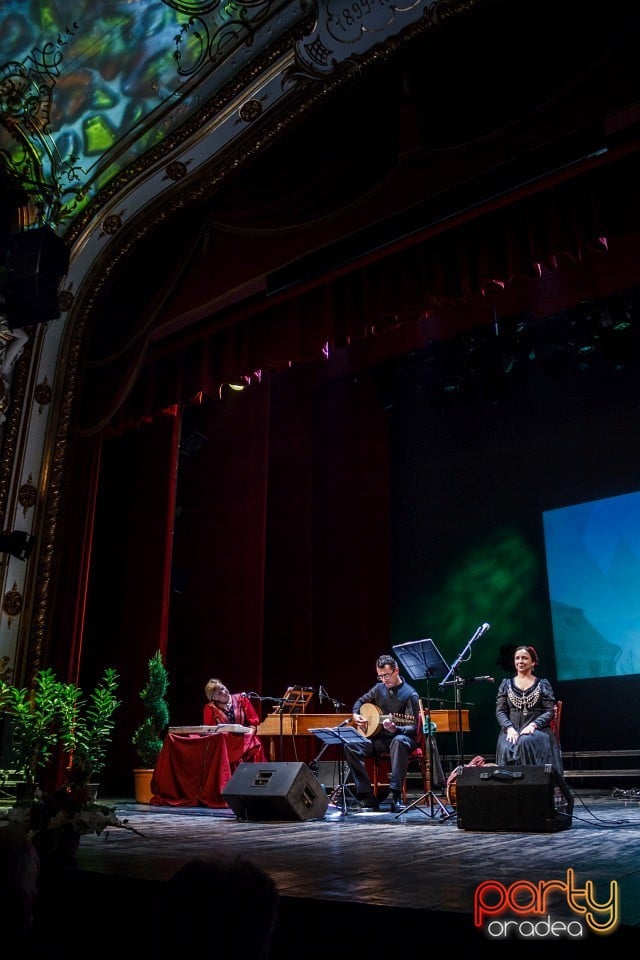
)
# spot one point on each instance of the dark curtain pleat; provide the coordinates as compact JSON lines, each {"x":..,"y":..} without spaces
{"x":289,"y":636}
{"x":127,"y":605}
{"x":352,"y":529}
{"x":68,"y":605}
{"x":217,"y":596}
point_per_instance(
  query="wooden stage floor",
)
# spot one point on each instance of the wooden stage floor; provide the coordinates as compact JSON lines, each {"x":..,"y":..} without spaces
{"x":353,"y":880}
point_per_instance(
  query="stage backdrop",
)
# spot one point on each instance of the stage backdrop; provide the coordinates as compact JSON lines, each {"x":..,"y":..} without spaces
{"x":477,"y":465}
{"x":322,"y":519}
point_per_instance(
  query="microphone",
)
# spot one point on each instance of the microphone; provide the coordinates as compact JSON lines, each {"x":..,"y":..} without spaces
{"x":321,"y":693}
{"x":484,"y":628}
{"x":344,"y":723}
{"x":480,"y":679}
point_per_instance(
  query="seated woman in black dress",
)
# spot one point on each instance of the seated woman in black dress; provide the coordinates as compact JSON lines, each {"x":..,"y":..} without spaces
{"x":524,"y":709}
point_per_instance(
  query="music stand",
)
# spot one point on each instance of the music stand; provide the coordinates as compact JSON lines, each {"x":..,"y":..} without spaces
{"x":422,"y":660}
{"x":339,"y":735}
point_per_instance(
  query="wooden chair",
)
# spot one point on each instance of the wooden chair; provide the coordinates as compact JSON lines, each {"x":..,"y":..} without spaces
{"x":419,"y":756}
{"x":557,"y":717}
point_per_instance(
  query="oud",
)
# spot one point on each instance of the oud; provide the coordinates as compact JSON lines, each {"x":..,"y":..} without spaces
{"x":375,"y":718}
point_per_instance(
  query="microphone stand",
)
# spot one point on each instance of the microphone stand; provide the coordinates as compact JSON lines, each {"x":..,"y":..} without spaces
{"x":281,"y":701}
{"x":323,"y":695}
{"x":457,"y":682}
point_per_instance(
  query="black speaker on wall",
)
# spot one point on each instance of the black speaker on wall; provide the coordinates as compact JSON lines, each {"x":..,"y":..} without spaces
{"x":521,"y":799}
{"x":36,"y":261}
{"x":275,"y":791}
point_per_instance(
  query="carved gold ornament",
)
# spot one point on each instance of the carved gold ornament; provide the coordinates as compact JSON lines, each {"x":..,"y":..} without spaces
{"x":12,"y":604}
{"x":27,"y":495}
{"x":4,"y":396}
{"x":250,"y":110}
{"x":111,"y":224}
{"x":176,"y":170}
{"x":42,"y":394}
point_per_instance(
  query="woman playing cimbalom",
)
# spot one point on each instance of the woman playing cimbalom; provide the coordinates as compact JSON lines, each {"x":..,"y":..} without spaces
{"x":225,"y":707}
{"x":524,"y":709}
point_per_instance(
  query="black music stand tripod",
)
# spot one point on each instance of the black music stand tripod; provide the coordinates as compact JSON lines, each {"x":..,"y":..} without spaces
{"x":423,"y":661}
{"x":339,"y":735}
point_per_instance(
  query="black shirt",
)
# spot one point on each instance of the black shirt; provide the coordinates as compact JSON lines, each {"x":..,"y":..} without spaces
{"x":398,"y":701}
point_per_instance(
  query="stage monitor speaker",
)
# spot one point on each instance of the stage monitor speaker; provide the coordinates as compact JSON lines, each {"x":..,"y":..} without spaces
{"x":275,"y":791}
{"x":521,"y":799}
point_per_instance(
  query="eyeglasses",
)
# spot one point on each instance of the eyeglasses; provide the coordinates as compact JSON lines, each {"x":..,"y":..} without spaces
{"x":385,"y":676}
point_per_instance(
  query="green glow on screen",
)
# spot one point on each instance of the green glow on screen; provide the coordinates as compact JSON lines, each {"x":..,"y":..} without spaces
{"x":496,"y":581}
{"x":500,"y":574}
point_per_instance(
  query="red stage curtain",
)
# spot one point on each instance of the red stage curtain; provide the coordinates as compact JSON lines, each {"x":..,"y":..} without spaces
{"x":129,"y":581}
{"x":217,"y":605}
{"x":447,"y":264}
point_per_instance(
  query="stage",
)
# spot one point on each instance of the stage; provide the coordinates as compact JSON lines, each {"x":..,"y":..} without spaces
{"x":355,"y":880}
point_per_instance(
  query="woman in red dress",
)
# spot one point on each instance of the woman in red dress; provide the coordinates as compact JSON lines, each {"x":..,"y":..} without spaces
{"x":225,"y":707}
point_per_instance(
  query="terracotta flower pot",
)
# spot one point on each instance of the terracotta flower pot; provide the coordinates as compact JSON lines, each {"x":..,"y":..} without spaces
{"x":142,"y":785}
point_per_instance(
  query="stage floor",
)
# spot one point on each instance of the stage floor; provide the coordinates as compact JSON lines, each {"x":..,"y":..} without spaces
{"x":352,"y":878}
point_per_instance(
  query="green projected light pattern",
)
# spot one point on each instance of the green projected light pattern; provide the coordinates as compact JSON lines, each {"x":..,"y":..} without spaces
{"x":497,"y":582}
{"x":87,"y":86}
{"x":499,"y":578}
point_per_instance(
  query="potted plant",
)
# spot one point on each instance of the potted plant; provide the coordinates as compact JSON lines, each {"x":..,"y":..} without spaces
{"x":86,"y":728}
{"x":34,"y":716}
{"x":148,"y":736}
{"x":82,"y":728}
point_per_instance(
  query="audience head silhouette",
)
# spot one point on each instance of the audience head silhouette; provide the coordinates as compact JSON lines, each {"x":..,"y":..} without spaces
{"x":206,"y":894}
{"x":19,"y":875}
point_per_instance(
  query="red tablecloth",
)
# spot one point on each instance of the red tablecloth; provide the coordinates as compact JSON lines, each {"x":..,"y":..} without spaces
{"x":191,"y":770}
